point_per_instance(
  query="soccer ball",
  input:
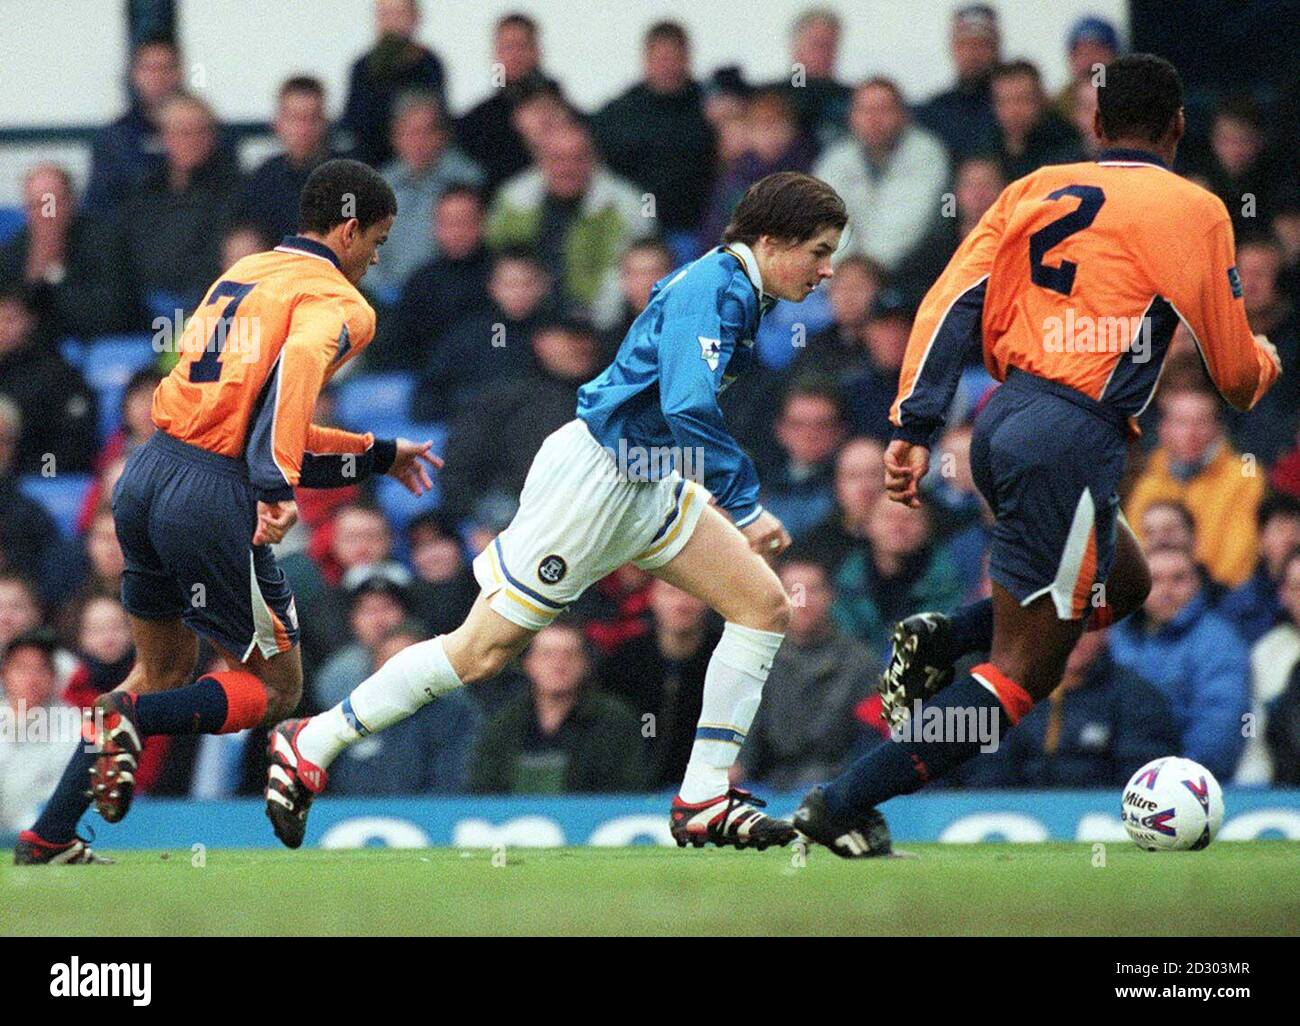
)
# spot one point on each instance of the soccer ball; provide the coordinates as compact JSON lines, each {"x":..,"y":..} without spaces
{"x":1172,"y":804}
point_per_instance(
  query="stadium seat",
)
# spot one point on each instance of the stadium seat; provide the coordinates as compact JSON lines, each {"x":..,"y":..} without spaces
{"x":779,"y":331}
{"x":73,"y":351}
{"x":399,"y":505}
{"x":12,"y":220}
{"x":372,"y":402}
{"x":109,"y":363}
{"x":61,"y":497}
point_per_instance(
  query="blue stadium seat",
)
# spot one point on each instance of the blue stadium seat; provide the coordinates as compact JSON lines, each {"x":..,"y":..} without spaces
{"x":109,"y":363}
{"x":373,"y":402}
{"x":61,"y":496}
{"x":12,"y":220}
{"x":399,"y":505}
{"x":73,"y":350}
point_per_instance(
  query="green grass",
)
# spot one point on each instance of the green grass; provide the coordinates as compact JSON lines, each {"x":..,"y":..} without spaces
{"x":1231,"y":888}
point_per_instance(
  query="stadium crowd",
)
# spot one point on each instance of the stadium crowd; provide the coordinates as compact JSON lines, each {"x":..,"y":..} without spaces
{"x":529,"y":235}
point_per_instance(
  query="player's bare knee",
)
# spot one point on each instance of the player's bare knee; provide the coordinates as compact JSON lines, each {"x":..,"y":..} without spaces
{"x":769,"y":612}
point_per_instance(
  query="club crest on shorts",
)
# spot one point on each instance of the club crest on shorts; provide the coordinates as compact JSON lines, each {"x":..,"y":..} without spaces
{"x":552,"y":569}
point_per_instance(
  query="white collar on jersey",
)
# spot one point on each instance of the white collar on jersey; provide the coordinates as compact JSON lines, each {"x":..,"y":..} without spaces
{"x":749,"y":262}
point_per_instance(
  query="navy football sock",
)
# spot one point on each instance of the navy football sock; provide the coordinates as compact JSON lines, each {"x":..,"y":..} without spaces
{"x":198,"y":709}
{"x":903,"y":766}
{"x":971,"y":629}
{"x":58,"y":820}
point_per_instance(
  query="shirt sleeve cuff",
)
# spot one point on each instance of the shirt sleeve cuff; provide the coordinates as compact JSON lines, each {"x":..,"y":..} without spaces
{"x":916,"y":433}
{"x":744,"y":520}
{"x":282,"y":494}
{"x":382,"y":454}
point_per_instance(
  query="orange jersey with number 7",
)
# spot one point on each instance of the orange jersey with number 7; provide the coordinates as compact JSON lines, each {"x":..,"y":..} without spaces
{"x":1079,"y":274}
{"x":253,"y":359}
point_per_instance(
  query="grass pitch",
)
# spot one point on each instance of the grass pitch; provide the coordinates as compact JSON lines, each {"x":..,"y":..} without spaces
{"x":986,"y":889}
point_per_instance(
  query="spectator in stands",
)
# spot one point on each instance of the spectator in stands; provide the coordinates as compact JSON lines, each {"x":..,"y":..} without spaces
{"x":30,"y":765}
{"x":1197,"y":466}
{"x":1083,"y":112}
{"x":58,"y":422}
{"x":361,"y":537}
{"x":242,"y":240}
{"x":440,"y":568}
{"x":1167,"y":523}
{"x":820,"y":101}
{"x":492,"y":455}
{"x":578,"y":216}
{"x":660,"y":673}
{"x":20,"y":608}
{"x":135,"y":427}
{"x":643,"y":264}
{"x":1275,"y":695}
{"x":797,"y":487}
{"x":962,"y":116}
{"x":870,"y":390}
{"x":1255,"y":607}
{"x":656,"y":135}
{"x":960,"y":515}
{"x":102,"y":633}
{"x":127,"y":151}
{"x":71,"y":261}
{"x":773,"y":142}
{"x":1270,"y":428}
{"x":1029,"y":133}
{"x":1095,"y":730}
{"x":890,"y":172}
{"x":26,"y":530}
{"x":427,"y":753}
{"x":183,"y":206}
{"x":395,"y":64}
{"x":564,"y":735}
{"x":101,"y":556}
{"x":836,"y":353}
{"x":1239,"y":170}
{"x":895,"y":571}
{"x":1286,"y":230}
{"x":805,"y":725}
{"x":490,"y":345}
{"x":425,"y":166}
{"x":1193,"y":656}
{"x":615,"y":608}
{"x":379,"y":600}
{"x":1093,"y":43}
{"x":977,"y":184}
{"x":442,"y":292}
{"x":487,"y":132}
{"x":271,"y":192}
{"x":1272,"y":753}
{"x":859,"y":482}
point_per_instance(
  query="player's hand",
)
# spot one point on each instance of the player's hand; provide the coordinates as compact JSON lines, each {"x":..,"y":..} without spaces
{"x":905,"y":464}
{"x":273,"y":521}
{"x":1271,"y":349}
{"x":410,"y":468}
{"x":766,"y":535}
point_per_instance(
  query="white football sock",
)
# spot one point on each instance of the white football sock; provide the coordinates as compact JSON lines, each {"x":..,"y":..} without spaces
{"x":412,"y":678}
{"x":733,"y":687}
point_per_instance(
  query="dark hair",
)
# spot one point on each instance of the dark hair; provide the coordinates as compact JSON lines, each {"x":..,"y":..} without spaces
{"x":789,"y":205}
{"x":517,"y":20}
{"x":1140,"y":96}
{"x":517,"y":253}
{"x":302,"y":84}
{"x":146,"y":376}
{"x":1277,"y":504}
{"x":1018,"y":69}
{"x":462,"y":189}
{"x":885,"y":83}
{"x":41,"y":638}
{"x":667,"y":32}
{"x":815,"y":386}
{"x":341,"y":189}
{"x":1241,"y":107}
{"x":18,"y":292}
{"x":157,"y":39}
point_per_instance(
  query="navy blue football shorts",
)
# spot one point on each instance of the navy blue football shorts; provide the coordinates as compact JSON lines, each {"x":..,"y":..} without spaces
{"x":1048,"y":460}
{"x":185,"y":519}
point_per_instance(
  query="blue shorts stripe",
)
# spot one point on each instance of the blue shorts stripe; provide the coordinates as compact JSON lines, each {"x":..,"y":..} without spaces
{"x":735,"y":737}
{"x":672,"y":515}
{"x":501,"y":559}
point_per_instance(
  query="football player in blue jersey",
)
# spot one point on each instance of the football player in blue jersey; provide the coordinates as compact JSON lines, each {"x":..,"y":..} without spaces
{"x":646,"y":473}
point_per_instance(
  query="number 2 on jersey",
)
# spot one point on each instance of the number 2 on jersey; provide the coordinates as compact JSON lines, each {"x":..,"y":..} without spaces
{"x":208,"y":367}
{"x":1061,"y":279}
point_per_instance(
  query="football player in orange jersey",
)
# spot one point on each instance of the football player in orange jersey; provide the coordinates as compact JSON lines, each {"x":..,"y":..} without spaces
{"x":199,"y":504}
{"x":1072,"y":283}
